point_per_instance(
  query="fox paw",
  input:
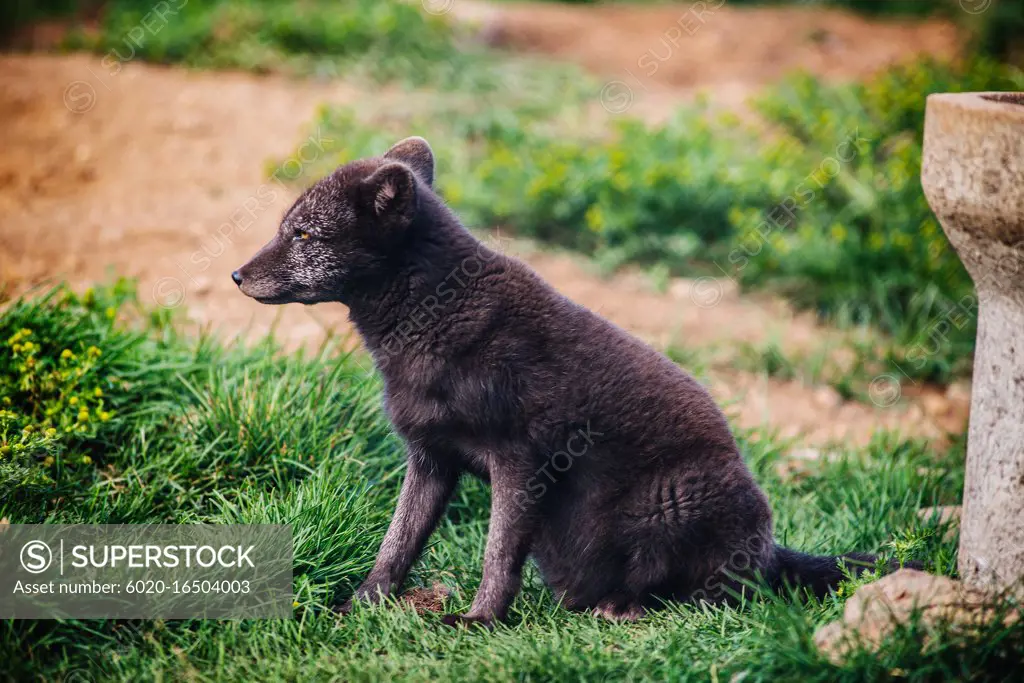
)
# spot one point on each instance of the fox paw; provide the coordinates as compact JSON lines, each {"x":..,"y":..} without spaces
{"x":618,"y":611}
{"x":466,"y":621}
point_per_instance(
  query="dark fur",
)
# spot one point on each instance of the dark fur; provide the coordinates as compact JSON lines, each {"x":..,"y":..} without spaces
{"x":608,"y":464}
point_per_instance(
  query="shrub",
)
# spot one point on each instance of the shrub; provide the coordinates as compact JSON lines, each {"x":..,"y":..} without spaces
{"x":642,"y":195}
{"x":827,"y":209}
{"x":104,"y":406}
{"x":849,"y":231}
{"x":381,"y":38}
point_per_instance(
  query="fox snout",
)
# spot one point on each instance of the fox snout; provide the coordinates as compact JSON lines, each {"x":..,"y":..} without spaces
{"x":264,"y":276}
{"x":294,"y":267}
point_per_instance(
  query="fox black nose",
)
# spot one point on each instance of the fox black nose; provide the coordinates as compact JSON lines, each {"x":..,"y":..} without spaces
{"x":237,"y":277}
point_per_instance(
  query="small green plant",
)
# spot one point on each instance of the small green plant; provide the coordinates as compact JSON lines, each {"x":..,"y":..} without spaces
{"x":58,"y":395}
{"x":57,"y":389}
{"x":908,"y":544}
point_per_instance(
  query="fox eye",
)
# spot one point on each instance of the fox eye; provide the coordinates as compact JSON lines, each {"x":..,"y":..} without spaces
{"x":301,"y":235}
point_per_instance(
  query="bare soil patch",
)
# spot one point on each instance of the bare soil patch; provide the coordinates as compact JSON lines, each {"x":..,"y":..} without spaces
{"x":661,"y":54}
{"x":157,"y":178}
{"x":425,"y":600}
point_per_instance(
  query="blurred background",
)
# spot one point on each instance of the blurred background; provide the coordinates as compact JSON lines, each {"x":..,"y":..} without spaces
{"x":736,"y":182}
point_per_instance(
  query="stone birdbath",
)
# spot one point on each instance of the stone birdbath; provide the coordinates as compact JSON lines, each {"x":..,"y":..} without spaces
{"x":973,"y":176}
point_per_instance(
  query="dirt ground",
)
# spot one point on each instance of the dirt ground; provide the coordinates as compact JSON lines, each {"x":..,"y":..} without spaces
{"x":655,"y":55}
{"x":161,"y":174}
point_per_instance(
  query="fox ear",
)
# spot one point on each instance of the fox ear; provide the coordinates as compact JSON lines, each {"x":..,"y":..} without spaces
{"x":415,"y":153}
{"x":390,"y":193}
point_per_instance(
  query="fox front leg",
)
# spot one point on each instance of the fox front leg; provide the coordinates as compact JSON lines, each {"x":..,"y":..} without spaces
{"x":425,"y":493}
{"x":513,"y":518}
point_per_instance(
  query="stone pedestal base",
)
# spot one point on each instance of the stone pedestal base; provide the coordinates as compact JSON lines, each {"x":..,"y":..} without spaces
{"x":973,"y":176}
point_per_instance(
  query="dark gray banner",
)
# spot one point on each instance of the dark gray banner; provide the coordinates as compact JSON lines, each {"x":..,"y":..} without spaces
{"x":140,"y":571}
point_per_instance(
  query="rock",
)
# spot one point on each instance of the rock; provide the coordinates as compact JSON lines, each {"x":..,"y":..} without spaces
{"x":945,"y":514}
{"x":915,"y":413}
{"x":876,"y":609}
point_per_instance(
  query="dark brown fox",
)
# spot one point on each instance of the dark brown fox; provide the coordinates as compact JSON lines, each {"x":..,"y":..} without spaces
{"x":608,"y":464}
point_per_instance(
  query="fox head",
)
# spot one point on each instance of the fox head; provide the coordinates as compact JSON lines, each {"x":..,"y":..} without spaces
{"x":341,"y":228}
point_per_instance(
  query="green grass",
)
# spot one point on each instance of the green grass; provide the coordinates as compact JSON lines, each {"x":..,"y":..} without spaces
{"x":852,"y":363}
{"x":383,"y":39}
{"x":214,"y":433}
{"x":368,"y":41}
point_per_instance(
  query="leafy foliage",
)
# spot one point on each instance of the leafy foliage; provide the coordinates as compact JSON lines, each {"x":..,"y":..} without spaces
{"x":382,"y":39}
{"x":849,"y":231}
{"x":640,"y":195}
{"x":67,"y":377}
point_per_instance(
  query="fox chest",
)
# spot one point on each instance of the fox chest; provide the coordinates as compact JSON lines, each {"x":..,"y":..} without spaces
{"x":416,"y":413}
{"x":462,"y":420}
